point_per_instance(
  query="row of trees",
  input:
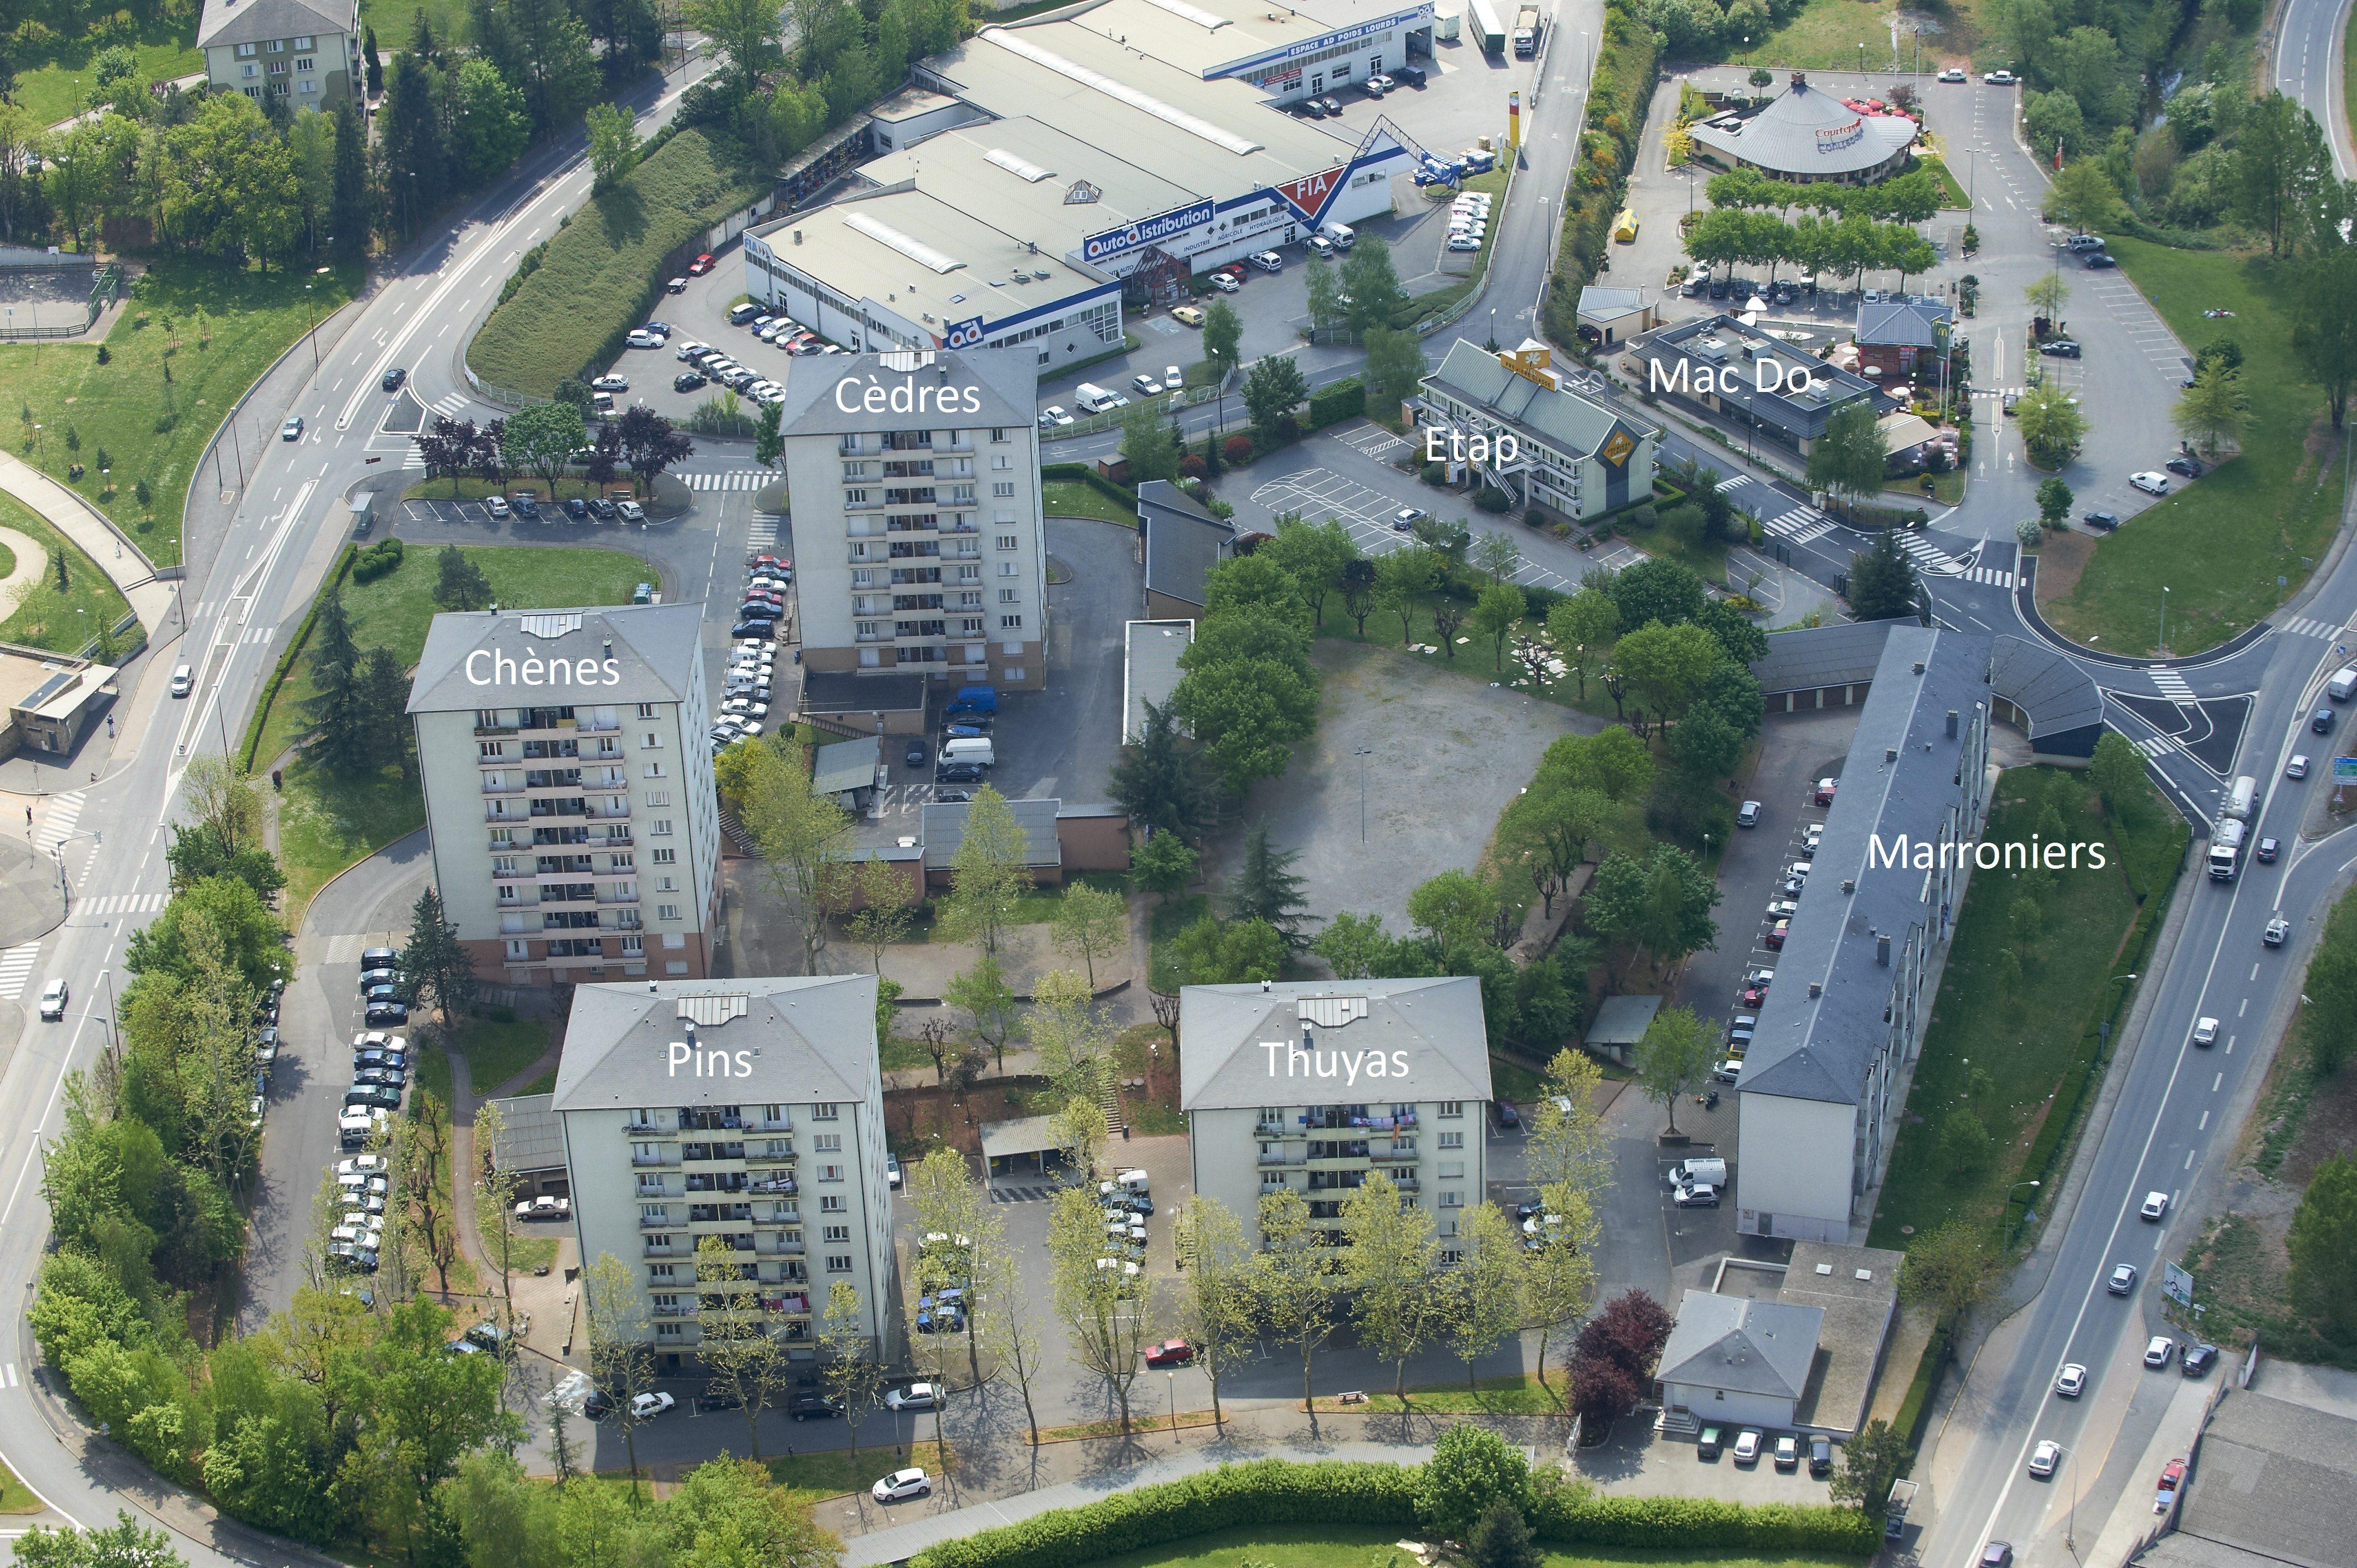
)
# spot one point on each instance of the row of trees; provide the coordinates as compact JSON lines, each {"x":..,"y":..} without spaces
{"x":1909,"y":199}
{"x":550,"y":439}
{"x":1848,"y":246}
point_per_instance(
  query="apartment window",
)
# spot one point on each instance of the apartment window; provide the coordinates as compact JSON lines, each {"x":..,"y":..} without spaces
{"x":830,"y":1173}
{"x":666,"y":885}
{"x":646,"y":710}
{"x":837,"y":1233}
{"x":1450,"y":1257}
{"x":660,"y":827}
{"x":517,"y":949}
{"x":1009,"y":597}
{"x":1006,"y":542}
{"x":666,"y":856}
{"x":653,"y":741}
{"x":1452,"y":1108}
{"x":1010,"y":623}
{"x":833,"y":1203}
{"x":666,"y":911}
{"x":838,"y":1263}
{"x":825,"y":1111}
{"x":654,"y":770}
{"x":306,"y":63}
{"x":1452,"y":1170}
{"x":1002,"y":488}
{"x":504,"y":865}
{"x":1452,"y":1200}
{"x":248,"y":71}
{"x":624,"y":862}
{"x":1009,"y":569}
{"x":1452,"y":1140}
{"x":662,"y":1272}
{"x":246,"y":51}
{"x":276,"y":45}
{"x":828,"y":1143}
{"x":305,"y":43}
{"x":277,"y":66}
{"x":490,"y":750}
{"x":1001,"y":461}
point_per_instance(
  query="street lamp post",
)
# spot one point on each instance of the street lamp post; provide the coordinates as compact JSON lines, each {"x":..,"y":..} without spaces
{"x":1171,"y":1379}
{"x":2016,"y":1187}
{"x":1362,"y":754}
{"x":2164,"y":620}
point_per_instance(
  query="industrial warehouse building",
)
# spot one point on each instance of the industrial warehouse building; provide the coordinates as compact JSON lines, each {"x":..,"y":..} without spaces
{"x":1043,"y":176}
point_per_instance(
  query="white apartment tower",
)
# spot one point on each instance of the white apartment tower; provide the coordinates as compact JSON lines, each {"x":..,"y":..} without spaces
{"x":568,"y":790}
{"x":750,"y":1110}
{"x":913,"y":478}
{"x":1313,"y":1085}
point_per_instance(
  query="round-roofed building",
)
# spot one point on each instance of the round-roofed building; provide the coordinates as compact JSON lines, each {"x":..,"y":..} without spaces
{"x":1804,"y":135}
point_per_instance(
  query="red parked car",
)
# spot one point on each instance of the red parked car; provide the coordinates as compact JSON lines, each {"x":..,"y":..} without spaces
{"x":1824,"y":793}
{"x":1170,"y":1353}
{"x":702,"y":264}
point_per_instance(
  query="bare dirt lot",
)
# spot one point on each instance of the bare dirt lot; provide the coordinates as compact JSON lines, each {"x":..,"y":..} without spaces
{"x":1445,"y":753}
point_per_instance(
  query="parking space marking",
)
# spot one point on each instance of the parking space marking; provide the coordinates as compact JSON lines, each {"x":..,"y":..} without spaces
{"x":1366,"y":513}
{"x":763,"y":534}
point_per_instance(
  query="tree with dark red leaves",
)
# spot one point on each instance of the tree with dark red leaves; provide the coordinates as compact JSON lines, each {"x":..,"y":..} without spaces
{"x":1612,"y":1361}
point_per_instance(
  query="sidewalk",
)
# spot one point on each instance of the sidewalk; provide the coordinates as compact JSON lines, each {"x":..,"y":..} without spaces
{"x":93,"y":535}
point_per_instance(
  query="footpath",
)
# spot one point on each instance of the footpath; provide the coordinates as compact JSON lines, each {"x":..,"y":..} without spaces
{"x":93,"y":535}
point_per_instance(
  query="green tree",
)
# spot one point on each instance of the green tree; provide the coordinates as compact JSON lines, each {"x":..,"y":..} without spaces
{"x":990,"y":871}
{"x":1247,"y":712}
{"x":2215,"y":410}
{"x":2324,"y":325}
{"x":439,"y":973}
{"x":1883,"y":585}
{"x":982,"y":992}
{"x":2279,"y":158}
{"x":2083,"y":197}
{"x":1496,"y":613}
{"x":1396,"y":367}
{"x":1951,"y":1269}
{"x":613,"y":145}
{"x":1583,"y":629}
{"x":1484,"y":1302}
{"x":2048,"y":296}
{"x":1389,"y":1258}
{"x":1850,"y":457}
{"x":1503,"y":1539}
{"x":802,"y":837}
{"x":2323,"y":1246}
{"x":1314,"y":555}
{"x":1373,"y":283}
{"x":1164,"y":864}
{"x":1866,"y":1465}
{"x":1706,"y":746}
{"x":749,"y":35}
{"x":123,"y":1544}
{"x":1224,"y":952}
{"x":1275,"y":387}
{"x":728,"y":1513}
{"x":1356,"y":947}
{"x":1265,"y":888}
{"x":1148,"y":445}
{"x":543,"y":437}
{"x":1293,"y":1284}
{"x":459,"y":584}
{"x":767,"y":444}
{"x":2118,"y":769}
{"x":1322,"y":282}
{"x":1220,"y":1302}
{"x":1472,"y":1470}
{"x":1657,"y":589}
{"x":2051,"y":425}
{"x":1108,"y":1316}
{"x":2054,"y":499}
{"x":1160,"y":781}
{"x":490,"y":125}
{"x":1223,"y":333}
{"x":1455,"y":908}
{"x":1257,"y":584}
{"x":1090,"y":923}
{"x":882,"y":913}
{"x":1672,"y":1058}
{"x":1665,"y":666}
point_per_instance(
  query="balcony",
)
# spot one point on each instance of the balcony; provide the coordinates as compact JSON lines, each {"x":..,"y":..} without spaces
{"x":665,"y":1250}
{"x":1395,"y":1156}
{"x":489,"y":731}
{"x":659,"y":1157}
{"x":1283,"y":1157}
{"x":501,"y":787}
{"x":782,"y":1122}
{"x":674,"y":1311}
{"x":650,"y":1222}
{"x":649,"y":1129}
{"x":782,"y":1183}
{"x":1275,"y":1130}
{"x":777,"y":1249}
{"x":1273,"y":1184}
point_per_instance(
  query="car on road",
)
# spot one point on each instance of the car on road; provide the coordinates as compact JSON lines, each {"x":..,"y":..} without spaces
{"x":647,"y":1406}
{"x":1170,"y":1353}
{"x":2059,"y":348}
{"x":1999,"y":78}
{"x":1747,"y":814}
{"x":2277,"y":930}
{"x":53,"y":1001}
{"x":2155,"y":1205}
{"x":2159,"y":1350}
{"x":676,"y":286}
{"x":718,"y":1396}
{"x":742,"y":313}
{"x":1747,"y":1446}
{"x":610,"y":383}
{"x":1998,"y":1553}
{"x":576,"y":507}
{"x":2321,"y":721}
{"x":2122,"y":1279}
{"x":393,"y":378}
{"x":1953,"y":73}
{"x":813,"y":1407}
{"x":1462,"y":243}
{"x":2205,"y":1031}
{"x":2297,"y":766}
{"x":292,"y":430}
{"x":598,"y":1405}
{"x":746,"y":626}
{"x":547,"y":1206}
{"x":2071,"y":1380}
{"x":916,"y":1396}
{"x":2102,"y":522}
{"x":1320,"y":246}
{"x":1782,"y":908}
{"x":383,"y":1014}
{"x":2268,"y":851}
{"x":2045,"y":1457}
{"x":1729,"y":1072}
{"x":1788,"y":1451}
{"x":1775,"y":940}
{"x":2150,"y":482}
{"x":902,"y":1484}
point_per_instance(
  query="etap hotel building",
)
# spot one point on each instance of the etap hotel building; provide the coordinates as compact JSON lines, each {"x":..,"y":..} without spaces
{"x":1042,"y":175}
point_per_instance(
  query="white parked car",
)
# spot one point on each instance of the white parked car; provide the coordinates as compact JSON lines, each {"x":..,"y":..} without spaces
{"x":2000,"y":77}
{"x":1225,"y":282}
{"x":2150,"y":482}
{"x":610,"y":383}
{"x":1746,"y":1446}
{"x":2159,"y":1351}
{"x":497,"y":506}
{"x":1953,"y":73}
{"x":892,"y":1169}
{"x":1463,"y":242}
{"x":642,"y":339}
{"x":360,"y":1165}
{"x":1054,"y":415}
{"x":1146,"y":385}
{"x":646,"y":1407}
{"x":902,"y":1484}
{"x":632,"y":511}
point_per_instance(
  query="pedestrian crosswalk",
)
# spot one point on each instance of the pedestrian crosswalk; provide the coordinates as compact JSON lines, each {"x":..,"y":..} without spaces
{"x":2172,"y":685}
{"x":1798,"y":525}
{"x":1019,"y":1194}
{"x":745,"y":479}
{"x":1995,"y":576}
{"x":260,"y":634}
{"x":449,"y":407}
{"x":413,"y":458}
{"x":2308,"y":626}
{"x":2157,"y":745}
{"x":123,"y":903}
{"x":764,"y":532}
{"x":16,"y":968}
{"x":1928,"y":556}
{"x":57,"y":827}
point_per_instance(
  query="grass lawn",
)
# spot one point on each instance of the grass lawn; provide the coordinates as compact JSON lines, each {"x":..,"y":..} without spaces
{"x":44,"y":619}
{"x":154,"y":405}
{"x":598,"y":273}
{"x":1346,"y":1546}
{"x":1170,"y":917}
{"x":53,"y":82}
{"x":1951,"y":195}
{"x":2016,"y":1028}
{"x":830,"y":1473}
{"x":1071,"y":497}
{"x":545,"y":1084}
{"x":395,"y":22}
{"x":1826,"y":34}
{"x":1512,"y":1081}
{"x":327,"y":822}
{"x":496,"y":1052}
{"x":14,"y":1496}
{"x":2218,"y":545}
{"x":1521,"y":1395}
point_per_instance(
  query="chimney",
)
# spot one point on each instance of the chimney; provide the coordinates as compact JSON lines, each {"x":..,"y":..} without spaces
{"x":1264,"y":987}
{"x":798,"y":236}
{"x":1952,"y":723}
{"x":1881,"y":950}
{"x":1919,"y":667}
{"x":1890,"y":755}
{"x":1815,"y":990}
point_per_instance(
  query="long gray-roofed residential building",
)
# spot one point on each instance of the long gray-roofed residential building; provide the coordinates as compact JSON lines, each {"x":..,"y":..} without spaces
{"x":913,"y":479}
{"x":942,"y":824}
{"x":305,"y":51}
{"x":1571,"y":455}
{"x":1150,"y":671}
{"x":1313,"y":1085}
{"x":1805,"y":134}
{"x":1749,"y":378}
{"x":567,"y":776}
{"x":750,"y":1110}
{"x":1819,"y":1095}
{"x":2048,"y":696}
{"x":1822,"y":666}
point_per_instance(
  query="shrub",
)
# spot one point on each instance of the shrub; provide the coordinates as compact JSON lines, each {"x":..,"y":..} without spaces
{"x":1501,"y":1540}
{"x":1191,"y":466}
{"x":1237,"y":449}
{"x":1345,"y":399}
{"x":1491,"y":500}
{"x":378,"y":560}
{"x":1534,"y":518}
{"x":1683,"y":1524}
{"x":1643,"y":515}
{"x":1471,"y":1471}
{"x":1435,"y":474}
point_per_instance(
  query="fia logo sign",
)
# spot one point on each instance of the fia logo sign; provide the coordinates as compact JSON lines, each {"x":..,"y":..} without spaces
{"x":1311,"y":194}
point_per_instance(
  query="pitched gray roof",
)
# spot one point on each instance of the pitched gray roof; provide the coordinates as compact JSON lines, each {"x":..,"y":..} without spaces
{"x":944,"y":827}
{"x":2054,"y":691}
{"x":1907,"y":323}
{"x":1821,"y":1047}
{"x":1002,"y":380}
{"x":849,"y":691}
{"x":1810,"y":657}
{"x":1562,"y":420}
{"x":810,"y":1039}
{"x":1181,"y":539}
{"x":2272,"y":1479}
{"x":1437,"y":1023}
{"x":1743,"y":1345}
{"x":655,"y":649}
{"x":1608,"y":304}
{"x":1150,"y":671}
{"x":253,"y":21}
{"x":1784,"y":137}
{"x":1622,"y":1020}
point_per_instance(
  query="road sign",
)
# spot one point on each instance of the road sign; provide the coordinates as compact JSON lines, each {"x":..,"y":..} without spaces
{"x":2344,"y":770}
{"x":2177,"y":1284}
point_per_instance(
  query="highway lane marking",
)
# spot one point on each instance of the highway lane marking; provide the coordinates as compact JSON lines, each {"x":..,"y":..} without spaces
{"x":2216,"y":1082}
{"x":2254,"y":972}
{"x":2245,"y":1007}
{"x":2189,"y":1155}
{"x":229,"y":633}
{"x":2204,"y":1124}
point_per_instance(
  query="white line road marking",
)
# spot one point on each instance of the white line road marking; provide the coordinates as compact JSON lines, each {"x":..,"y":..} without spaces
{"x":15,"y":967}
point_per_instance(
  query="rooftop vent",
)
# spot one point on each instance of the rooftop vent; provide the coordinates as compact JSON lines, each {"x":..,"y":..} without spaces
{"x":1889,"y":753}
{"x":1919,"y":667}
{"x":1815,"y":990}
{"x":1881,"y":950}
{"x":1849,"y":884}
{"x":1952,"y":723}
{"x":1825,"y":1268}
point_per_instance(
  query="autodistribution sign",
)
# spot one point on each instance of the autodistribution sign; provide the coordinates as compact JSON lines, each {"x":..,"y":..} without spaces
{"x":1145,"y":230}
{"x":964,"y":334}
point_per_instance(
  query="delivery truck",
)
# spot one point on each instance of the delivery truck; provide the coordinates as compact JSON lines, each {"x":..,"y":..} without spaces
{"x":2242,"y":798}
{"x":1484,"y":23}
{"x":2226,"y":849}
{"x":1526,"y":32}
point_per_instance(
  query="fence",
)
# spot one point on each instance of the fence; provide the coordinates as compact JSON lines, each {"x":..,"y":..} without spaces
{"x":106,"y":286}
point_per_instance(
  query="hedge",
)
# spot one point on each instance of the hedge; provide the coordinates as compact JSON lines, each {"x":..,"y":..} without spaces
{"x":1263,"y":1492}
{"x":377,"y":560}
{"x":286,"y":659}
{"x":1280,"y":1492}
{"x":1345,"y":399}
{"x":1619,"y":93}
{"x":1915,"y":1410}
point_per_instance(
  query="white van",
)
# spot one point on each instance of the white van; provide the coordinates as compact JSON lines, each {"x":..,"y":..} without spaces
{"x":970,"y":748}
{"x":1096,"y":399}
{"x":1339,"y":235}
{"x":1699,"y":1172}
{"x":184,"y":680}
{"x":2343,"y":685}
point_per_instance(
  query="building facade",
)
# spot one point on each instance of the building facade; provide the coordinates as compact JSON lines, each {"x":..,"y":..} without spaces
{"x":750,"y":1110}
{"x":568,"y":790}
{"x":305,"y":51}
{"x":1758,"y":383}
{"x":1313,"y":1085}
{"x":913,"y":478}
{"x":1511,"y":416}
